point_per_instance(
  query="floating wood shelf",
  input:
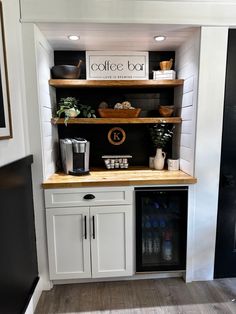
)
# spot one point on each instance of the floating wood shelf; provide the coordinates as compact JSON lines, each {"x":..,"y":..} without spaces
{"x":173,"y":120}
{"x":62,"y":83}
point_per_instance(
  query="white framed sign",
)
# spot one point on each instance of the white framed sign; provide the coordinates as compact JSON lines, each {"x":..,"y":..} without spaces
{"x":117,"y":65}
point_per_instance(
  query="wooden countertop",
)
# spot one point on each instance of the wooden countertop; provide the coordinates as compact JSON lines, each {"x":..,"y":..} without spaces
{"x":143,"y":176}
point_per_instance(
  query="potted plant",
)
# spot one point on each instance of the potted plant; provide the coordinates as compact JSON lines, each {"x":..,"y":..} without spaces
{"x":69,"y":107}
{"x":160,"y":136}
{"x":87,"y":111}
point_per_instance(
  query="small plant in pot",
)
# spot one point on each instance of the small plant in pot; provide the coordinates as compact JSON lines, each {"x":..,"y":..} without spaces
{"x":160,"y":134}
{"x":69,"y":107}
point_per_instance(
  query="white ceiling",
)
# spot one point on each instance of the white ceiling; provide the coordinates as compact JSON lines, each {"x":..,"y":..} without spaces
{"x":120,"y":37}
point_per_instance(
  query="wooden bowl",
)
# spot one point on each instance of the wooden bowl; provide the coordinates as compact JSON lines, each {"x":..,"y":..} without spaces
{"x":119,"y":113}
{"x":166,"y":111}
{"x":166,"y":65}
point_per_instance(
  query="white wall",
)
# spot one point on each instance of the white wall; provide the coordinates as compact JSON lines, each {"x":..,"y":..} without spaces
{"x":208,"y":147}
{"x":186,"y":65}
{"x":17,"y":147}
{"x":130,"y":11}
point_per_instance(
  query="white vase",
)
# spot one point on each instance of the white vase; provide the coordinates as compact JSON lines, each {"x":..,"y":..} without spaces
{"x":159,"y":159}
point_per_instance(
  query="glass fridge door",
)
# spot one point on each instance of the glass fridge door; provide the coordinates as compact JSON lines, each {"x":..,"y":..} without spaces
{"x":161,"y":227}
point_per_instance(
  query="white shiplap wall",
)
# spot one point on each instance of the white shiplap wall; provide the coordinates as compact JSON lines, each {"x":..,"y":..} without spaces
{"x":47,"y":100}
{"x":186,"y":66}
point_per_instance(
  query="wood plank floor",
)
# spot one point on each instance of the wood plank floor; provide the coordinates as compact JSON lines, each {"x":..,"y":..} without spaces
{"x":164,"y":296}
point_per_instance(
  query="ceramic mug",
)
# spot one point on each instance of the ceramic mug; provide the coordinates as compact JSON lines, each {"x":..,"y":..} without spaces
{"x":173,"y":164}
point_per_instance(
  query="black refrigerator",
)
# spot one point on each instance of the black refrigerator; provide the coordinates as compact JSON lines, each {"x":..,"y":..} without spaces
{"x":161,"y":228}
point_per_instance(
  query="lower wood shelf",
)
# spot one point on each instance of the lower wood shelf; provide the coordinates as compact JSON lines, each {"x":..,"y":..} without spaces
{"x":153,"y":120}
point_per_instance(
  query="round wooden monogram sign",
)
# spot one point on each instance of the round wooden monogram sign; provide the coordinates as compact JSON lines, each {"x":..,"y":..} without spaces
{"x":116,"y":136}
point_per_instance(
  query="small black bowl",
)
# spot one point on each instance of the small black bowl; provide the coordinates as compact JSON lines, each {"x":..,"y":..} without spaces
{"x":65,"y":72}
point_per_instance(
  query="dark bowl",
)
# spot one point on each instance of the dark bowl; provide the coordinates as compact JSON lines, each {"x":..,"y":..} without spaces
{"x":65,"y":72}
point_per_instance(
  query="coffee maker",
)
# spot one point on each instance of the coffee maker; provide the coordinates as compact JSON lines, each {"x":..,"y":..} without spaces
{"x":75,"y":156}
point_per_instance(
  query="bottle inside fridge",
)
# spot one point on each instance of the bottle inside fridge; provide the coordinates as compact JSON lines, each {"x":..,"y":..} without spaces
{"x":161,"y":227}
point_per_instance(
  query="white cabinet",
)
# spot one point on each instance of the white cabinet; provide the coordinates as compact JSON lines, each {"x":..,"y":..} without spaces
{"x":90,"y":241}
{"x":68,"y":242}
{"x":111,"y":246}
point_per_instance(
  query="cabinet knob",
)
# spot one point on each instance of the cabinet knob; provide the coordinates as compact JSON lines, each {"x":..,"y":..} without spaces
{"x":89,"y":197}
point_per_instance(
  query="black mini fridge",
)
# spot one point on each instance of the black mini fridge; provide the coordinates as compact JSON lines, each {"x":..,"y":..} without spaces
{"x":161,"y":228}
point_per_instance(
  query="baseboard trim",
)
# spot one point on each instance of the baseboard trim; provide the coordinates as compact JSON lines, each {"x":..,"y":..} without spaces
{"x":35,"y":298}
{"x":134,"y":277}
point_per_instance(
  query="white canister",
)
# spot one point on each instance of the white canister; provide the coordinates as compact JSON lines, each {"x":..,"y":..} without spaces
{"x":151,"y":162}
{"x":173,"y":164}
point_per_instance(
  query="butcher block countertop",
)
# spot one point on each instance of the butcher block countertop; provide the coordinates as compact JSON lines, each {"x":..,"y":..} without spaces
{"x":142,"y":176}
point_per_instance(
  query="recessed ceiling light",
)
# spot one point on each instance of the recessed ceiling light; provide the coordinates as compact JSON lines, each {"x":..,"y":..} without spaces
{"x":159,"y":38}
{"x":73,"y":37}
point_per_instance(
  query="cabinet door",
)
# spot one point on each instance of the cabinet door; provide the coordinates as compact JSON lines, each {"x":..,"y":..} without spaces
{"x":111,"y":241}
{"x":68,"y":242}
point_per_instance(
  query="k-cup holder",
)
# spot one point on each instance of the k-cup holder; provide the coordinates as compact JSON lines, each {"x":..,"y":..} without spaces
{"x":116,"y":161}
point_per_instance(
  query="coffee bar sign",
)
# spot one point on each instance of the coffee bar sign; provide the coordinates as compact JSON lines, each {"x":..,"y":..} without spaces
{"x":114,"y":65}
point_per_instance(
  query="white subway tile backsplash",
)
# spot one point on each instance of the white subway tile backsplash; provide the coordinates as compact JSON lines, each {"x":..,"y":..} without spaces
{"x":47,"y":100}
{"x":186,"y":140}
{"x":46,"y":114}
{"x":187,"y":99}
{"x":186,"y":58}
{"x":186,"y":65}
{"x":187,"y":113}
{"x":188,"y":85}
{"x":47,"y":128}
{"x":187,"y":127}
{"x":186,"y":153}
{"x":186,"y":71}
{"x":48,"y":143}
{"x":186,"y":166}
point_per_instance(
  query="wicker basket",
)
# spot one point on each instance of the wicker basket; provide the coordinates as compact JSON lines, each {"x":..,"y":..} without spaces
{"x":119,"y":113}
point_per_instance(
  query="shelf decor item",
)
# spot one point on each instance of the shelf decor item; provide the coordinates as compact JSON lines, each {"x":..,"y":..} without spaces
{"x":5,"y":112}
{"x":160,"y":134}
{"x":166,"y":65}
{"x":66,"y":71}
{"x":119,"y":113}
{"x":87,"y":111}
{"x":68,"y":106}
{"x":116,"y":161}
{"x":159,"y":159}
{"x":71,"y":109}
{"x":121,"y":110}
{"x":164,"y":75}
{"x":117,"y":65}
{"x":166,"y":111}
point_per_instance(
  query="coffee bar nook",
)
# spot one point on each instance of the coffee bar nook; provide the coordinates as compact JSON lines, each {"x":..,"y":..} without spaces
{"x":119,"y":203}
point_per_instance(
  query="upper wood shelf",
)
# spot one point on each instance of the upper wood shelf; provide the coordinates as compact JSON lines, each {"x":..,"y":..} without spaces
{"x":116,"y":120}
{"x":60,"y":83}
